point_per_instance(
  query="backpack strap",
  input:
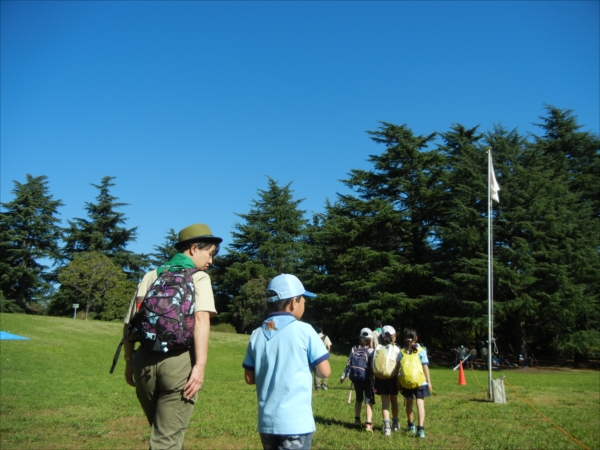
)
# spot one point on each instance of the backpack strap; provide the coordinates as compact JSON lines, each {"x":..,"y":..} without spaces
{"x":118,"y":352}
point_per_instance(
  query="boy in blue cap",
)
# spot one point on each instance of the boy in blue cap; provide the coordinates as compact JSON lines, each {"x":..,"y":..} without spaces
{"x":280,"y":358}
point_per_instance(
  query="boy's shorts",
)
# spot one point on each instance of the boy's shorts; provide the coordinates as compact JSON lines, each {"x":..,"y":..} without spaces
{"x":283,"y":442}
{"x":386,"y":387}
{"x":364,"y":392}
{"x":420,"y":392}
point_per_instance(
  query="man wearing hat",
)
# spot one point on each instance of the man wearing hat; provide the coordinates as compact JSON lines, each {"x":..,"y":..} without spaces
{"x":168,"y":401}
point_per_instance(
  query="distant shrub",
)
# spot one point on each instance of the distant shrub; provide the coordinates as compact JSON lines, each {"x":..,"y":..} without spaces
{"x":223,"y":328}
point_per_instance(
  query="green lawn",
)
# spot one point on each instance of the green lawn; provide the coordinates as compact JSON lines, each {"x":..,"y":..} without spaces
{"x":56,"y":392}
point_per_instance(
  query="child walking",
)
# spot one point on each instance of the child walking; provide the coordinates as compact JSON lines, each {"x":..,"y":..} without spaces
{"x":387,"y":388}
{"x":279,"y":359}
{"x":359,"y":370}
{"x":416,"y":378}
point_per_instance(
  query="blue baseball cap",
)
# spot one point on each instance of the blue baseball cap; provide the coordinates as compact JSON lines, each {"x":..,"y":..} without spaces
{"x":287,"y":286}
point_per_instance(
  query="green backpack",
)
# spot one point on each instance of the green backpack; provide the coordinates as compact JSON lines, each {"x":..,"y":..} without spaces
{"x":411,"y":374}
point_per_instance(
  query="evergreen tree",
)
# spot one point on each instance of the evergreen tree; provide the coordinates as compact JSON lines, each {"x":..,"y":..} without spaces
{"x":267,"y":243}
{"x":103,"y":232}
{"x":567,"y":258}
{"x":461,"y":298}
{"x":165,"y":251}
{"x":30,"y":234}
{"x":372,"y":252}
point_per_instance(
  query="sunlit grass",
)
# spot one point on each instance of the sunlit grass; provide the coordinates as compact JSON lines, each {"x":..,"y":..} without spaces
{"x":56,"y":392}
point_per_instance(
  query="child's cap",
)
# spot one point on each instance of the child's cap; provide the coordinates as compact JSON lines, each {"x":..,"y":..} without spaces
{"x":388,"y":329}
{"x":287,"y":286}
{"x":366,"y":332}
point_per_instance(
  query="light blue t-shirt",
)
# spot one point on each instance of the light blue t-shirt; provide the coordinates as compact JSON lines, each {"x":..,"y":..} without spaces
{"x":281,"y":353}
{"x":422,"y":357}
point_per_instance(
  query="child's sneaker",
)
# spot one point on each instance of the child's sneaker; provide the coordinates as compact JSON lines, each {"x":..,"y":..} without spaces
{"x":357,"y":422}
{"x":369,"y":428}
{"x":421,"y":433}
{"x":395,"y":427}
{"x":411,"y":428}
{"x":387,"y":431}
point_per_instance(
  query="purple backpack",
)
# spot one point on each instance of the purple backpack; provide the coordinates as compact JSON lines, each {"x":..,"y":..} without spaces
{"x":165,"y":319}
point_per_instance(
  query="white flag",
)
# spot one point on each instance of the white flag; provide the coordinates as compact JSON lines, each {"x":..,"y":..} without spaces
{"x":495,"y":187}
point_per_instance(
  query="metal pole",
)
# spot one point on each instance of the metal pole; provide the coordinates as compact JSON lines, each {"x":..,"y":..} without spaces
{"x":490,"y":265}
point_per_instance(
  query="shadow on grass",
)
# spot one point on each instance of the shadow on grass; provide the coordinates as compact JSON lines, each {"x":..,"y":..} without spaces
{"x":480,"y":400}
{"x":328,"y":421}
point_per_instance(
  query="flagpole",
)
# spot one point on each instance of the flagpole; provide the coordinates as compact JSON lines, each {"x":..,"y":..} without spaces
{"x":490,"y":269}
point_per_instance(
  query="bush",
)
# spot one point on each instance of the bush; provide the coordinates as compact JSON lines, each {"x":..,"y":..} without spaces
{"x":9,"y":306}
{"x":223,"y":328}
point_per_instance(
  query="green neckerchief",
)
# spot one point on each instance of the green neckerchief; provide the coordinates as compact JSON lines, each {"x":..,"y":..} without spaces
{"x":179,"y":261}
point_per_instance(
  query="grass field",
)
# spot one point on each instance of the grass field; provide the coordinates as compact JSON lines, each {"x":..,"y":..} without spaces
{"x":56,"y":393}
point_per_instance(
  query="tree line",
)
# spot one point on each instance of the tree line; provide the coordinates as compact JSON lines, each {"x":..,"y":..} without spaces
{"x":407,"y":245}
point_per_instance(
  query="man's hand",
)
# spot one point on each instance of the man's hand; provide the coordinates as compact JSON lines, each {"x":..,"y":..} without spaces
{"x":129,"y":374}
{"x":195,"y":382}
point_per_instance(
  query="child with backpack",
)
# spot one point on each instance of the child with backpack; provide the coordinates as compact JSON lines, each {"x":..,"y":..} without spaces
{"x":414,"y":379}
{"x":359,"y":370}
{"x":385,"y":369}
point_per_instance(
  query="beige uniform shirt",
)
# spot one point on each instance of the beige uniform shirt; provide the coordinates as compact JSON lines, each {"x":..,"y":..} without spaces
{"x":205,"y":300}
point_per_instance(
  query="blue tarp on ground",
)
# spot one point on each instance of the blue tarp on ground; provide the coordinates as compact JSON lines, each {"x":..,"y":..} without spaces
{"x":6,"y":336}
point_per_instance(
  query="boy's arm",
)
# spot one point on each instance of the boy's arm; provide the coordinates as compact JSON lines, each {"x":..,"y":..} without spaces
{"x":323,"y":369}
{"x":249,"y":376}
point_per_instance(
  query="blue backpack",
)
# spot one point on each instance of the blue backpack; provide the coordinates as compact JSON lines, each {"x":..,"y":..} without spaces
{"x":359,"y":361}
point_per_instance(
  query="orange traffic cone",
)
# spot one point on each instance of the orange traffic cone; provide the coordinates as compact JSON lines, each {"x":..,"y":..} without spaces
{"x":461,"y":375}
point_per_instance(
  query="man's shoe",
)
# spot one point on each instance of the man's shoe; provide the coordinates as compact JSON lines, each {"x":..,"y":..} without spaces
{"x":324,"y":388}
{"x":387,"y":431}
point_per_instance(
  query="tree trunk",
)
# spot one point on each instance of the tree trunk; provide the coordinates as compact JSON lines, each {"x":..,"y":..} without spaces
{"x":522,"y":345}
{"x":581,"y":360}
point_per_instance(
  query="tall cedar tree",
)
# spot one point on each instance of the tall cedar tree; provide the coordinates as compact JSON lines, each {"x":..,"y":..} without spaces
{"x":165,"y":251}
{"x":267,"y":243}
{"x":372,"y":253}
{"x":460,"y":303}
{"x":103,"y":232}
{"x":29,"y":233}
{"x":569,"y":263}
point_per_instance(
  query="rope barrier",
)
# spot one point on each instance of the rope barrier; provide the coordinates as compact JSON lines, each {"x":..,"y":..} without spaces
{"x":531,"y":406}
{"x":477,"y":379}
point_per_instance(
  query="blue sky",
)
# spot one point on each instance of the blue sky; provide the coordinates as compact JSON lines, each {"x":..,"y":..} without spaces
{"x":191,"y":105}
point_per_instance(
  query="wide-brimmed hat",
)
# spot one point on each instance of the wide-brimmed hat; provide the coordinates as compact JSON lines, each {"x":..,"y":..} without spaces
{"x":287,"y":286}
{"x":195,"y":233}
